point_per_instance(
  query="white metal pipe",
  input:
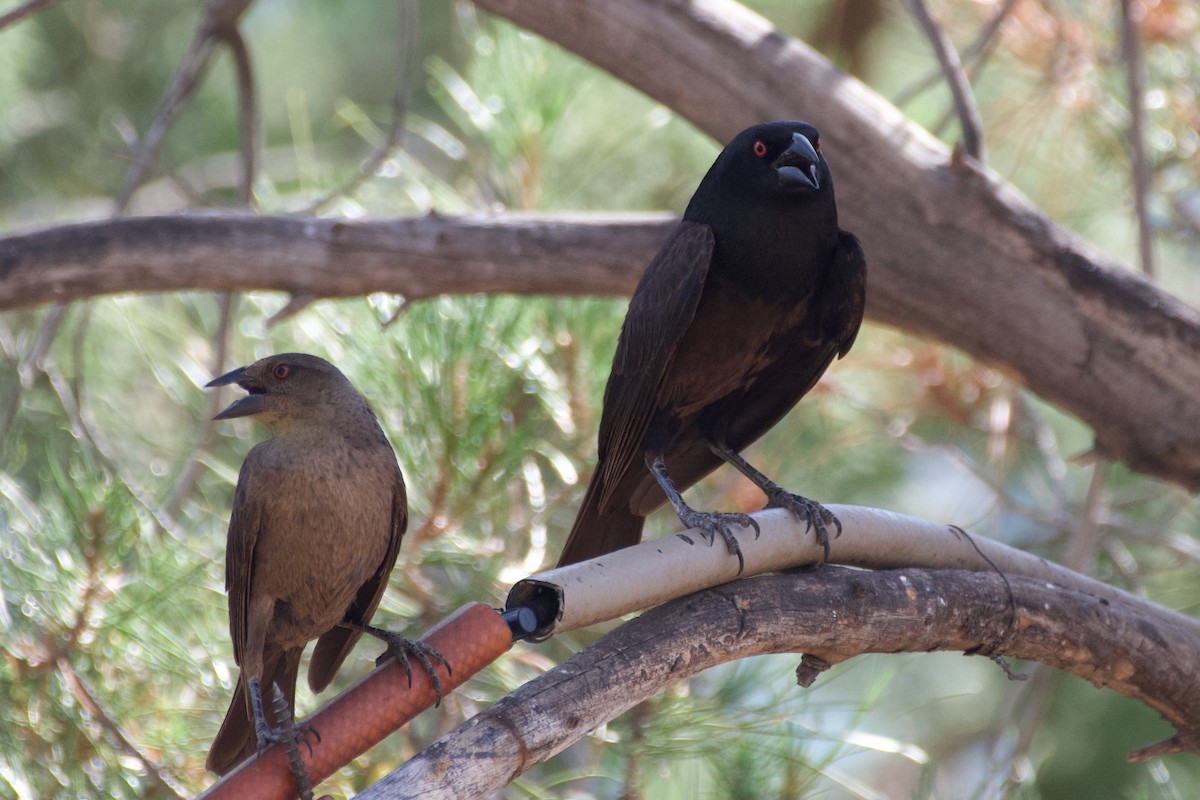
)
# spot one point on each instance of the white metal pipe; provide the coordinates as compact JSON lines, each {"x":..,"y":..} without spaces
{"x":655,"y":571}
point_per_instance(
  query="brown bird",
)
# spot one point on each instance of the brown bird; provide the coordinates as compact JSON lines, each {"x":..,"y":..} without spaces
{"x":317,"y":519}
{"x":735,"y":319}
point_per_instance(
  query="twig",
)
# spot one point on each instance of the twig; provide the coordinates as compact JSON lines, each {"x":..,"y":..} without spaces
{"x":410,"y":22}
{"x":12,"y":397}
{"x":975,"y":53}
{"x":62,"y":389}
{"x":1080,"y":554}
{"x":1131,"y":52}
{"x":1026,"y":711}
{"x":640,"y":718}
{"x":107,"y":721}
{"x":296,"y":303}
{"x":248,"y":130}
{"x":191,"y":470}
{"x":248,"y":134}
{"x":956,"y":78}
{"x":248,"y":118}
{"x":22,"y":11}
{"x":27,"y":369}
{"x":41,"y":345}
{"x":221,"y":16}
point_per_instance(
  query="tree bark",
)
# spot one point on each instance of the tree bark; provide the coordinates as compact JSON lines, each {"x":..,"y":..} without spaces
{"x":1149,"y":419}
{"x":417,"y":257}
{"x":831,"y":615}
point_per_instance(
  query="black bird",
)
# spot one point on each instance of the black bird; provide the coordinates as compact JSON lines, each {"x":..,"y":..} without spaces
{"x":318,"y":515}
{"x":738,"y":315}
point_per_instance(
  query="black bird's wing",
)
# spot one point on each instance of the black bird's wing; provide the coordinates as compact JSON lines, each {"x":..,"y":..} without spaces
{"x":660,"y":311}
{"x":836,"y":318}
{"x":335,"y":644}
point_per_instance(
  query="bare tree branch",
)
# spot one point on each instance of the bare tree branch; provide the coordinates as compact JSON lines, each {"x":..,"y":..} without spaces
{"x":87,"y":698}
{"x":975,"y":53}
{"x":248,"y":118}
{"x":24,"y":10}
{"x":417,"y":257}
{"x":907,"y":610}
{"x":410,"y":25}
{"x":956,"y":78}
{"x":1131,"y":53}
{"x":1080,"y":554}
{"x":191,"y":468}
{"x":1084,"y":333}
{"x":248,"y":144}
{"x":220,"y":17}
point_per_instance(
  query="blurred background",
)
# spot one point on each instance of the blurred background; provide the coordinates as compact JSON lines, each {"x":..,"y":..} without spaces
{"x":115,"y":491}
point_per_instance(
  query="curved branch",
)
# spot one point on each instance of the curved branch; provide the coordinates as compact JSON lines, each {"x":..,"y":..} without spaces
{"x":830,"y":615}
{"x":956,"y":78}
{"x":219,"y":16}
{"x":417,"y":257}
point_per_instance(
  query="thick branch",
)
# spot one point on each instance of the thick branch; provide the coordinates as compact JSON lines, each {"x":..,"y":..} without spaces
{"x":830,"y":615}
{"x":1098,"y":340}
{"x":417,"y":257}
{"x":1076,"y":326}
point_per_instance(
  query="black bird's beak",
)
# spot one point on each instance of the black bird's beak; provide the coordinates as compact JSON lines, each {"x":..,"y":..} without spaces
{"x":247,"y":406}
{"x":797,"y":166}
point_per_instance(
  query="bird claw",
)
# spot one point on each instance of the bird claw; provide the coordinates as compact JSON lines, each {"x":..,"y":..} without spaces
{"x":816,"y":516}
{"x":711,"y":523}
{"x":291,"y":734}
{"x":401,"y":649}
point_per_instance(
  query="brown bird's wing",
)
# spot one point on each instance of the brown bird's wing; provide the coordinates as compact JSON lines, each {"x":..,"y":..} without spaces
{"x":335,"y":644}
{"x":780,"y":386}
{"x":660,"y":311}
{"x":245,"y":522}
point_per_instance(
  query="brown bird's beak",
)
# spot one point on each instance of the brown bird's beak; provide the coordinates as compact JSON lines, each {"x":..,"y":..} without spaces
{"x":797,"y":166}
{"x":247,"y":406}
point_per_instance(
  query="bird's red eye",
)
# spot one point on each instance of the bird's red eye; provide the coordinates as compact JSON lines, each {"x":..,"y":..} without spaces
{"x":281,"y":371}
{"x":817,"y":144}
{"x":760,"y":148}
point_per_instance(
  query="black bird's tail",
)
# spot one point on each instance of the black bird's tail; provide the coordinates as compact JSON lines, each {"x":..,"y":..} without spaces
{"x":598,"y":531}
{"x":236,"y":741}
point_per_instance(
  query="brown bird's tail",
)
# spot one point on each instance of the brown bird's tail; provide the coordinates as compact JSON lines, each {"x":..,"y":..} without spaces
{"x":598,"y":531}
{"x":236,"y":741}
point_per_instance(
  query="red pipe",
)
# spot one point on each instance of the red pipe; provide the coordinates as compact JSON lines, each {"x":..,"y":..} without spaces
{"x":364,"y":714}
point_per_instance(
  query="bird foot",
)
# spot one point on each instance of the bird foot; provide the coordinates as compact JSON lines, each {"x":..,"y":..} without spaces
{"x":817,"y":516}
{"x":711,"y":523}
{"x":291,"y":734}
{"x":405,"y":649}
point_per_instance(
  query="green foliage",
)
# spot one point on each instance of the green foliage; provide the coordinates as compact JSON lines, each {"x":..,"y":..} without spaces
{"x":114,"y":500}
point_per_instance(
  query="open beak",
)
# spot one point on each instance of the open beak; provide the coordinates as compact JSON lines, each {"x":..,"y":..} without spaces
{"x":797,"y":166}
{"x":247,"y":406}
